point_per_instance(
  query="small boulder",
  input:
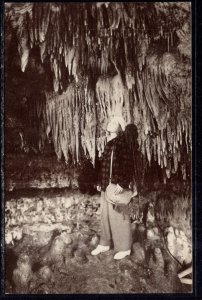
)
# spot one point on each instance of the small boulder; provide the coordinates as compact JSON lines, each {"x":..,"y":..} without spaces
{"x":126,"y":264}
{"x":69,"y":227}
{"x":41,"y":238}
{"x":23,"y":274}
{"x":94,"y":241}
{"x":68,"y":202}
{"x":55,"y":253}
{"x":46,"y":274}
{"x":138,"y":253}
{"x":150,"y":218}
{"x":158,"y":257}
{"x":9,"y":238}
{"x":84,"y":248}
{"x":17,"y":233}
{"x":152,"y":234}
{"x":66,"y":238}
{"x":107,"y":258}
{"x":86,"y":239}
{"x":80,"y":256}
{"x":178,"y":245}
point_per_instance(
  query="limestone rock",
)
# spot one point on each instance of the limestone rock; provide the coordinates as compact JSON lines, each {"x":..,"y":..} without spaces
{"x":158,"y":258}
{"x":69,"y":228}
{"x":170,"y":268}
{"x":98,"y":212}
{"x":84,"y":248}
{"x":46,"y":273}
{"x":9,"y":238}
{"x":42,"y":233}
{"x":107,"y":258}
{"x":39,"y":206}
{"x":126,"y":265}
{"x":56,"y":250}
{"x":66,"y":237}
{"x":23,"y":273}
{"x":152,"y":234}
{"x":150,"y":218}
{"x":178,"y":245}
{"x":94,"y":241}
{"x":80,"y":256}
{"x":138,"y":253}
{"x":68,"y":202}
{"x":89,"y":212}
{"x":68,"y":254}
{"x":74,"y":183}
{"x":42,"y":238}
{"x":86,"y":239}
{"x":17,"y":233}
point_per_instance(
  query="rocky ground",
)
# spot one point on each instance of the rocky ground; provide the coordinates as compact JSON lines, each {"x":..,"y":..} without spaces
{"x":49,"y":236}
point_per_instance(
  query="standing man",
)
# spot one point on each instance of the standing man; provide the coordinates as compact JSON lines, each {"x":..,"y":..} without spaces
{"x":115,"y":226}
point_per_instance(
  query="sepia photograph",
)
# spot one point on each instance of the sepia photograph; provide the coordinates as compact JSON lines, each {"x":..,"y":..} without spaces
{"x":84,"y":82}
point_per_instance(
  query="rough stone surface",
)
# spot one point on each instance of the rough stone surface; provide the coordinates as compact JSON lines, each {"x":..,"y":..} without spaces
{"x":68,"y":254}
{"x":57,"y":248}
{"x":152,"y":234}
{"x":63,"y":249}
{"x":158,"y":257}
{"x":22,"y":274}
{"x":80,"y":256}
{"x":45,"y":214}
{"x":38,"y":172}
{"x":46,"y":273}
{"x":66,"y":238}
{"x":138,"y":253}
{"x":94,"y":241}
{"x":178,"y":245}
{"x":150,"y":218}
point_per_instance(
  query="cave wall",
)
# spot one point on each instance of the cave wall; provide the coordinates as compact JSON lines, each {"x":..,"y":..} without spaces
{"x":35,"y":216}
{"x":38,"y":172}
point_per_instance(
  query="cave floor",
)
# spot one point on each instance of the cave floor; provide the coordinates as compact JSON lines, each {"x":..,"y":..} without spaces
{"x":77,"y":272}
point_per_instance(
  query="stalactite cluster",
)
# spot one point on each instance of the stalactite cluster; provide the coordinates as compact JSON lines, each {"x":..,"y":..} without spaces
{"x":71,"y":125}
{"x":110,"y":58}
{"x":85,"y":37}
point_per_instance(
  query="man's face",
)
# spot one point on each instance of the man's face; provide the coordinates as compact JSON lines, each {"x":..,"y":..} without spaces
{"x":112,"y":130}
{"x":110,"y":135}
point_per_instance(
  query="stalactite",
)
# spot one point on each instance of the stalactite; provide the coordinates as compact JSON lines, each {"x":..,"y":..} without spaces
{"x":23,"y":44}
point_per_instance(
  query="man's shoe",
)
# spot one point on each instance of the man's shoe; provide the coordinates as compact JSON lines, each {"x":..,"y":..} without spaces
{"x":122,"y":254}
{"x":100,"y":249}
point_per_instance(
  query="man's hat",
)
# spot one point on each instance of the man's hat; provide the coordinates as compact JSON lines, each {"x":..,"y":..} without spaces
{"x":116,"y":124}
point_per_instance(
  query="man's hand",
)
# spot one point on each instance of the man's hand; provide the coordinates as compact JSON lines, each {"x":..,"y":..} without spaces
{"x":135,"y":193}
{"x":118,"y":189}
{"x":98,"y":188}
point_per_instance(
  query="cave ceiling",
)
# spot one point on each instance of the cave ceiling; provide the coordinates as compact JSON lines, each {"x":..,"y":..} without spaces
{"x":107,"y":57}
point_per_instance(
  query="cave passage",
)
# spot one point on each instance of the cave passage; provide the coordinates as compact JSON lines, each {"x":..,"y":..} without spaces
{"x":69,"y":69}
